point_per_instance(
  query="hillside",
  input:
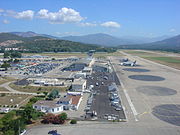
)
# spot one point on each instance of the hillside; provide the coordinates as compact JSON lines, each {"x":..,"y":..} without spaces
{"x":170,"y":44}
{"x":44,"y":44}
{"x":8,"y":36}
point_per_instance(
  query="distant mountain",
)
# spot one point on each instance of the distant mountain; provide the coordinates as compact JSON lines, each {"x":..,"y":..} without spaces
{"x":99,"y":39}
{"x":108,"y":40}
{"x":169,"y":44}
{"x":32,"y":34}
{"x":25,"y":34}
{"x":141,"y":39}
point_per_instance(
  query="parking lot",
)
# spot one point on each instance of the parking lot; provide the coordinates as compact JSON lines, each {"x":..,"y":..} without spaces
{"x":103,"y":103}
{"x":40,"y":68}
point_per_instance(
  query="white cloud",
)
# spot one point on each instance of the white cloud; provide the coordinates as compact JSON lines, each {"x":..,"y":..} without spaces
{"x":111,"y":24}
{"x":1,"y":10}
{"x":88,"y":24}
{"x":172,"y":30}
{"x":28,"y":14}
{"x":43,"y":13}
{"x":67,"y":33}
{"x":5,"y":21}
{"x":64,"y":15}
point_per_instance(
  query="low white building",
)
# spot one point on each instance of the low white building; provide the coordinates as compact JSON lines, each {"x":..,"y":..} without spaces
{"x":79,"y":85}
{"x":47,"y":82}
{"x":87,"y":70}
{"x":65,"y":101}
{"x":48,"y":106}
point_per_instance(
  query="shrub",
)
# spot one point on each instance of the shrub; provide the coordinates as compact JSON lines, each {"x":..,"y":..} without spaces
{"x":49,"y":118}
{"x":54,"y":119}
{"x":3,"y":94}
{"x":73,"y":121}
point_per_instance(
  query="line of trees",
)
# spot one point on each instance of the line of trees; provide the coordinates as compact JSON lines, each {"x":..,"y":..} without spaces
{"x":12,"y":54}
{"x":14,"y":122}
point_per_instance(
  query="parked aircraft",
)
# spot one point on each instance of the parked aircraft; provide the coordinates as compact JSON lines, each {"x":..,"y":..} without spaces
{"x":128,"y":63}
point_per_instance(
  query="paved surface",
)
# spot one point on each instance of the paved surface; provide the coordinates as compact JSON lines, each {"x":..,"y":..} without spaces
{"x":136,"y":69}
{"x":93,"y":128}
{"x":146,"y":77}
{"x":101,"y":102}
{"x":156,"y":91}
{"x":11,"y":90}
{"x":147,"y":114}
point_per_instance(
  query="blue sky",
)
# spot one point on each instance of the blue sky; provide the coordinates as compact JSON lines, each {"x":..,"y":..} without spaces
{"x":149,"y":18}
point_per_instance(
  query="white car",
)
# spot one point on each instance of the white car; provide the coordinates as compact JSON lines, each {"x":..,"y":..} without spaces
{"x":23,"y":132}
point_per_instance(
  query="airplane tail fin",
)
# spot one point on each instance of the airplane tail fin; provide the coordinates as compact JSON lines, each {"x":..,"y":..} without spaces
{"x":134,"y":63}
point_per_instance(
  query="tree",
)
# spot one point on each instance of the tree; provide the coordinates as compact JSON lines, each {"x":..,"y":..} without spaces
{"x":16,"y":61}
{"x":73,"y":121}
{"x":8,"y":124}
{"x":54,"y":94}
{"x":5,"y":65}
{"x":12,"y":54}
{"x":29,"y":113}
{"x":62,"y":117}
{"x":33,"y":100}
{"x":6,"y":54}
{"x":45,"y":93}
{"x":9,"y":132}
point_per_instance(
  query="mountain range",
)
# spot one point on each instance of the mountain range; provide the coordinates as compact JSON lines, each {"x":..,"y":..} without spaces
{"x":99,"y":39}
{"x":108,"y":40}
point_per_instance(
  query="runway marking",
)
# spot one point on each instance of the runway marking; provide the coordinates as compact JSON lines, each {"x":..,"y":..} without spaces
{"x":143,"y":114}
{"x":130,"y":102}
{"x":127,"y":97}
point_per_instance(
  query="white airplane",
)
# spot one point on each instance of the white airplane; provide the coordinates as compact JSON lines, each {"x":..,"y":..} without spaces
{"x":128,"y":63}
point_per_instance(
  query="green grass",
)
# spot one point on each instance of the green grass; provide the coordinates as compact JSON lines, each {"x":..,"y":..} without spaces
{"x":104,"y":55}
{"x":35,"y":89}
{"x":3,"y":89}
{"x":78,"y":54}
{"x":137,"y":52}
{"x":164,"y":59}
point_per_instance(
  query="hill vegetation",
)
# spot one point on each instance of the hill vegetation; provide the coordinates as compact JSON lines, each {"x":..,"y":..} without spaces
{"x":37,"y":44}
